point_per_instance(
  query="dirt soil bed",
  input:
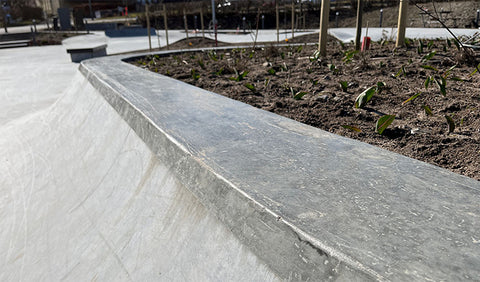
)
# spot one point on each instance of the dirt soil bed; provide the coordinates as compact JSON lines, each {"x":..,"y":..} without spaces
{"x":438,"y":124}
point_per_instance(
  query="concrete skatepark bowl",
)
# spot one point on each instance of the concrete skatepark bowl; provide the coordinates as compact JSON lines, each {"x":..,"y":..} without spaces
{"x":134,"y":176}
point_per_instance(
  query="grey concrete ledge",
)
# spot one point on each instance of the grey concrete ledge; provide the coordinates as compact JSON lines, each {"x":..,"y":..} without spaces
{"x":310,"y":204}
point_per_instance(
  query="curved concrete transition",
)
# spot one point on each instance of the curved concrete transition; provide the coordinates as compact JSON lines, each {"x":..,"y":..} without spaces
{"x":135,"y":176}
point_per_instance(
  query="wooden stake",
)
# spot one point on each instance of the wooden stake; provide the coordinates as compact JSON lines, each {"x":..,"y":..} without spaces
{"x":185,"y":22}
{"x":359,"y":25}
{"x":402,"y":22}
{"x":293,"y":18}
{"x":322,"y":37}
{"x":148,"y":28}
{"x":165,"y":23}
{"x":201,"y":22}
{"x":278,"y":21}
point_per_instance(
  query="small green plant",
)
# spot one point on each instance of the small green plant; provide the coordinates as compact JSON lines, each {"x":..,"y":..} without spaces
{"x":352,"y":128}
{"x":408,"y":42}
{"x":219,"y":72}
{"x":430,"y":44}
{"x":299,"y":95}
{"x":315,"y":56}
{"x":367,"y":95}
{"x":348,"y":56}
{"x":428,"y":56}
{"x":428,"y":111}
{"x":344,"y":85}
{"x":412,"y":98}
{"x":420,"y":47}
{"x":201,"y":63}
{"x":212,"y":55}
{"x":475,"y":70}
{"x":451,"y":124}
{"x":314,"y":82}
{"x":401,"y":71}
{"x":333,"y":68}
{"x":383,"y":123}
{"x":267,"y":81}
{"x":364,"y":97}
{"x":194,"y":74}
{"x":442,"y":84}
{"x":239,"y":76}
{"x":250,"y":87}
{"x":271,"y":71}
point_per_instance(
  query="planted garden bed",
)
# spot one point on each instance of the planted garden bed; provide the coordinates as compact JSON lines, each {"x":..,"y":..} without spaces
{"x":422,"y":101}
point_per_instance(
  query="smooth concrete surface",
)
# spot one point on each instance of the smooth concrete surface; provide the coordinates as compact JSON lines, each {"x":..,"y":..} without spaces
{"x":310,"y":204}
{"x":82,"y":198}
{"x":32,"y":79}
{"x":347,"y":34}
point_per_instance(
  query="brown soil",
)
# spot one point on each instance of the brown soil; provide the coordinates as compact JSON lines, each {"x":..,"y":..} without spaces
{"x":277,"y":74}
{"x":53,"y":38}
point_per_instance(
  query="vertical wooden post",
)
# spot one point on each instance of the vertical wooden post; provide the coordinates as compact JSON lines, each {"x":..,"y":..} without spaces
{"x":148,"y":28}
{"x":201,"y":22}
{"x":185,"y":22}
{"x":322,"y":37}
{"x":359,"y":25}
{"x":165,"y":23}
{"x":293,"y":18}
{"x":278,"y":21}
{"x":402,"y":22}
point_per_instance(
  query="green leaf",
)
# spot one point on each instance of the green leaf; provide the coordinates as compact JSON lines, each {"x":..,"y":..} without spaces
{"x":242,"y":75}
{"x":194,"y":74}
{"x":380,"y":86}
{"x":401,"y":71}
{"x":427,"y":81}
{"x":451,"y":123}
{"x":428,"y":56}
{"x":348,"y":56}
{"x":299,"y":95}
{"x":456,"y":78}
{"x":427,"y":109}
{"x":475,"y":70}
{"x":219,"y":72}
{"x":430,"y":44}
{"x":272,"y":71}
{"x":332,"y":68}
{"x":344,"y":85}
{"x":442,"y":84}
{"x":352,"y":128}
{"x":429,"y":67}
{"x":364,"y":97}
{"x":412,"y":98}
{"x":250,"y":87}
{"x":383,"y":123}
{"x":447,"y":72}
